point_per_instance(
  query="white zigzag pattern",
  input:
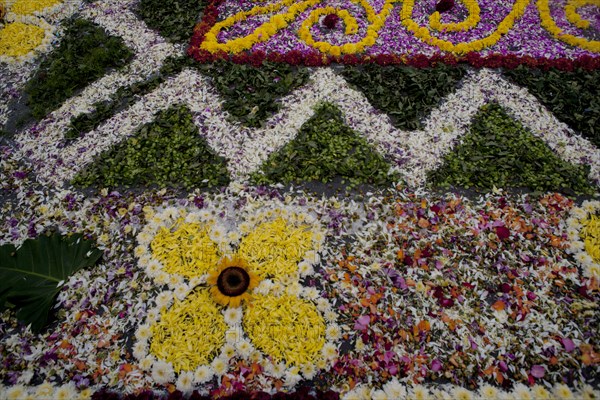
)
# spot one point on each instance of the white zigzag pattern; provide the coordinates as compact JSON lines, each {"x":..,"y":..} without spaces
{"x":414,"y":153}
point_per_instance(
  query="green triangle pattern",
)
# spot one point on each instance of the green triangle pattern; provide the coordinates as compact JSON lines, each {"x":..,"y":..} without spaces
{"x":324,"y":149}
{"x":499,"y":152}
{"x":168,"y":152}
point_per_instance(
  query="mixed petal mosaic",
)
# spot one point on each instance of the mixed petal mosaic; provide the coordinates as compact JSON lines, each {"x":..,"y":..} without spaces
{"x":254,"y":199}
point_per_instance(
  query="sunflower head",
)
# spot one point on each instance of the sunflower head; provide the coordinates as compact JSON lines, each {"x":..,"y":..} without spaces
{"x":232,"y":281}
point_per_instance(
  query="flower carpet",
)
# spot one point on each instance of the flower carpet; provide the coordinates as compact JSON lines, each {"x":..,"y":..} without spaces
{"x":299,"y":199}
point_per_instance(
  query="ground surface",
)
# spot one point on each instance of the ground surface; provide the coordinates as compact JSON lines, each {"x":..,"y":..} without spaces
{"x":363,"y":199}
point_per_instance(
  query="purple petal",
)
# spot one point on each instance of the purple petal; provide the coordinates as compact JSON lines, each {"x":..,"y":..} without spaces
{"x":538,"y":371}
{"x":569,"y":345}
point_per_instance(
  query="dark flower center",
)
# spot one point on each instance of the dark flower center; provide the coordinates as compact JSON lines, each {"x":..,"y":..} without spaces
{"x":233,"y":281}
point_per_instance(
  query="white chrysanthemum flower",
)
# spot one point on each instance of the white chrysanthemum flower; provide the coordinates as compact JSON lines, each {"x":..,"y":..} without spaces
{"x":264,"y":287}
{"x":379,"y":395}
{"x":310,"y":293}
{"x":162,"y":372}
{"x":562,"y":392}
{"x":234,"y":335}
{"x":294,"y":289}
{"x":203,"y":374}
{"x":488,"y":392}
{"x":329,"y":351}
{"x":16,"y":392}
{"x":139,"y":251}
{"x":312,"y":257}
{"x":330,"y":315}
{"x":164,"y":299}
{"x":276,"y":370}
{"x":44,"y":390}
{"x":233,"y":316}
{"x":144,"y":261}
{"x":322,"y":304}
{"x":65,"y":392}
{"x":192,"y":218}
{"x":181,"y":291}
{"x":420,"y":392}
{"x":308,"y":371}
{"x":153,"y":314}
{"x":394,"y":389}
{"x":460,"y":393}
{"x":588,"y":393}
{"x":576,"y":246}
{"x":220,"y":366}
{"x":143,"y":332}
{"x":185,"y":382}
{"x":170,"y":213}
{"x":291,"y":378}
{"x":140,"y":350}
{"x":218,"y":233}
{"x":244,"y":348}
{"x":277,"y":289}
{"x":540,"y":392}
{"x":228,"y":351}
{"x":305,"y":269}
{"x":144,"y":238}
{"x":353,"y":395}
{"x":154,"y":268}
{"x":146,"y":363}
{"x":333,"y":332}
{"x":85,"y":394}
{"x":162,"y":278}
{"x":522,"y":392}
{"x":256,"y":357}
{"x":175,"y":280}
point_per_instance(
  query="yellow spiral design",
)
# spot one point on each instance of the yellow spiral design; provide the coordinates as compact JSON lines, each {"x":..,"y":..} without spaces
{"x":550,"y":25}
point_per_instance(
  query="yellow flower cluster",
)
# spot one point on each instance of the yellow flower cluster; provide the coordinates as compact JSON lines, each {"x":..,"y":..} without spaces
{"x":549,"y":24}
{"x":187,"y":250}
{"x":469,"y":23}
{"x":190,"y":333}
{"x":18,"y":39}
{"x":590,"y":234}
{"x":32,"y":7}
{"x":286,"y":328}
{"x":572,"y":14}
{"x":423,"y":33}
{"x":24,"y":30}
{"x":376,"y":22}
{"x":274,"y":249}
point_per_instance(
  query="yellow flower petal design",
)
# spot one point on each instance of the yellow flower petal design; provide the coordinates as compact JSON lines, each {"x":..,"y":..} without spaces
{"x":18,"y":39}
{"x":273,"y":249}
{"x":185,"y":249}
{"x":29,"y":7}
{"x":190,"y":333}
{"x":590,"y":234}
{"x":286,"y":328}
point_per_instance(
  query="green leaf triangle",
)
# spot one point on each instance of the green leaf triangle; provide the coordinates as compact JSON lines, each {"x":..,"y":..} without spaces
{"x":326,"y":148}
{"x":499,"y":151}
{"x":168,"y":152}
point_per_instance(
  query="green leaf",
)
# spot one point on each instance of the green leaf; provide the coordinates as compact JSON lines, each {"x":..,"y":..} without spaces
{"x":31,"y":276}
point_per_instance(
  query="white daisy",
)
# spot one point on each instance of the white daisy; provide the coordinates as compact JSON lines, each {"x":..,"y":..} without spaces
{"x":164,"y":299}
{"x":16,"y":392}
{"x":562,"y":392}
{"x":305,"y":269}
{"x":181,"y":291}
{"x":540,"y":392}
{"x":146,"y":363}
{"x":44,"y":390}
{"x":522,"y":392}
{"x":460,"y":393}
{"x":140,"y":350}
{"x":185,"y":382}
{"x":309,"y":371}
{"x":488,"y":392}
{"x":154,"y":268}
{"x":394,"y":389}
{"x":143,"y":332}
{"x":244,"y":348}
{"x":420,"y":392}
{"x":65,"y":392}
{"x":228,"y":351}
{"x":233,"y":316}
{"x":311,"y":293}
{"x":379,"y":395}
{"x":220,"y":366}
{"x":333,"y":332}
{"x":162,"y":372}
{"x":203,"y":374}
{"x":329,"y":351}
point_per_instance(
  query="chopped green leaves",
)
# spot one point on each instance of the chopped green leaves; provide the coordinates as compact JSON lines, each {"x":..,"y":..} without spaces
{"x":326,"y":148}
{"x":499,"y":152}
{"x":166,"y":152}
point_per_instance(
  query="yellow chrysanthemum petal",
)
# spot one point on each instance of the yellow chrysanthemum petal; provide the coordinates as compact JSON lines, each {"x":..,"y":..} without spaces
{"x":590,"y":234}
{"x":29,"y":7}
{"x":190,"y":333}
{"x":273,"y":249}
{"x":18,"y":39}
{"x":286,"y":328}
{"x":186,"y":249}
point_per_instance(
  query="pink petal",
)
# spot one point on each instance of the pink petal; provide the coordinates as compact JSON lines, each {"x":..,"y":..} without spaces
{"x":569,"y":345}
{"x":538,"y":371}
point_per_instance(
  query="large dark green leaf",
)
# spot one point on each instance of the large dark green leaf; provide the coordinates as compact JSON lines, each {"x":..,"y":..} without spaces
{"x":31,"y":276}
